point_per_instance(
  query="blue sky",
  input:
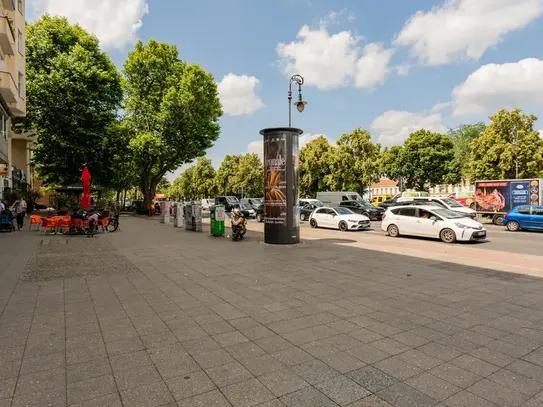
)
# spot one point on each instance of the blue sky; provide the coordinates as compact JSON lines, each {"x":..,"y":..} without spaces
{"x":391,"y":66}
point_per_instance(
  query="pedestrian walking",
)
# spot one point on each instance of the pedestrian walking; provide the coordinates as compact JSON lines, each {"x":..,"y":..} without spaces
{"x":24,"y":206}
{"x":18,"y":211}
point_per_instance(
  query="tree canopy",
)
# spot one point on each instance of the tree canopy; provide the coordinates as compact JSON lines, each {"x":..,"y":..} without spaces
{"x":172,"y":108}
{"x":494,"y":153}
{"x":73,"y":94}
{"x":314,"y":166}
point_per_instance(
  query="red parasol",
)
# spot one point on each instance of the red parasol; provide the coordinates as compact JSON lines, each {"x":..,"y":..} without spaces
{"x":85,"y":199}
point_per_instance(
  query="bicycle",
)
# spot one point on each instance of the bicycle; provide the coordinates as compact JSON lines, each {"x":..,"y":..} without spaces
{"x":113,"y":223}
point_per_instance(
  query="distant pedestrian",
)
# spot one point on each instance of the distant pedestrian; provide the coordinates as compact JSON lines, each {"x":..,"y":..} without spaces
{"x":2,"y":206}
{"x":18,"y":211}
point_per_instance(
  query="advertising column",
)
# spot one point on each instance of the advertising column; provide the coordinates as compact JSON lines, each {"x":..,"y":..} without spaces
{"x":281,"y":221}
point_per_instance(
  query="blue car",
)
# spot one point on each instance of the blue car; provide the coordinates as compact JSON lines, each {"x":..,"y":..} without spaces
{"x":529,"y":217}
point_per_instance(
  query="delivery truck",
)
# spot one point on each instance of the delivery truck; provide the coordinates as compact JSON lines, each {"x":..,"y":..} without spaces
{"x":494,"y":198}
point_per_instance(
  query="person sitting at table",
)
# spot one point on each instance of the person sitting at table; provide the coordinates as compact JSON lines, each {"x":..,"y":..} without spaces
{"x":93,"y":221}
{"x":77,"y":215}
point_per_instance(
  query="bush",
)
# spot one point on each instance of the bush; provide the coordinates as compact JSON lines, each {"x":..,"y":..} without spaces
{"x":66,"y":201}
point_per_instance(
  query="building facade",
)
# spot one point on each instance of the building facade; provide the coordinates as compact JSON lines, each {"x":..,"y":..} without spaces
{"x":15,"y":149}
{"x":385,"y":187}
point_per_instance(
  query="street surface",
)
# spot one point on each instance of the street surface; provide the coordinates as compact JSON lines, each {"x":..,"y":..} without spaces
{"x":154,"y":316}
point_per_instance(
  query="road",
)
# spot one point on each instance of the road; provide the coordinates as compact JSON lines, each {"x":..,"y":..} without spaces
{"x":498,"y":238}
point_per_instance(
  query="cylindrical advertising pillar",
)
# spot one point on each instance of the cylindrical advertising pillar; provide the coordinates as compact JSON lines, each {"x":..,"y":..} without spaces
{"x":281,"y":218}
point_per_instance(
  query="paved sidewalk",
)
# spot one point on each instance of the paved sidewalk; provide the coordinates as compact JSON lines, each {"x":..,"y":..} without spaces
{"x":156,"y":316}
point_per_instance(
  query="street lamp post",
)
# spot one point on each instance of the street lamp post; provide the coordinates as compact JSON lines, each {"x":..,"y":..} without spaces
{"x":300,"y":104}
{"x":515,"y":143}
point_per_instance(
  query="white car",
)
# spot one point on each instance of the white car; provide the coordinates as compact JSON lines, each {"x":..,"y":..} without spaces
{"x":445,"y":201}
{"x":432,"y":221}
{"x":338,"y":218}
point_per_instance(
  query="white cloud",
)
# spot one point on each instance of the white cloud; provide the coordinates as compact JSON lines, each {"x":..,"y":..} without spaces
{"x":330,"y":61}
{"x":238,"y":95}
{"x":496,"y":86}
{"x":464,"y":29}
{"x":541,"y":133}
{"x":441,"y":106}
{"x":335,"y":17}
{"x":395,"y":126}
{"x":114,"y":22}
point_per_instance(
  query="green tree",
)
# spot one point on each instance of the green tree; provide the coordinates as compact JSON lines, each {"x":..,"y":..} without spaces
{"x":462,"y":137}
{"x":248,"y":176}
{"x":354,"y":163}
{"x":426,"y":160}
{"x":390,"y":162}
{"x":225,"y":176}
{"x":124,"y":173}
{"x":163,"y":186}
{"x":314,"y":166}
{"x":173,"y":109}
{"x":73,"y":94}
{"x":494,"y":154}
{"x":204,"y":178}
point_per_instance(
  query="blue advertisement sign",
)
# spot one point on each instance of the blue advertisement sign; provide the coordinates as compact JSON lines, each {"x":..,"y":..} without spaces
{"x":520,"y":193}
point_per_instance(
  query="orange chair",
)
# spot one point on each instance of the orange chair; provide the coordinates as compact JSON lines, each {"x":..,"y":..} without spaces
{"x":49,"y":224}
{"x":76,"y":225}
{"x":63,"y":223}
{"x":35,"y":220}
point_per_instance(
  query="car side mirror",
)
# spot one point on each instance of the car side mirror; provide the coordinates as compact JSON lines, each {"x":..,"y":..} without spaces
{"x":433,"y":218}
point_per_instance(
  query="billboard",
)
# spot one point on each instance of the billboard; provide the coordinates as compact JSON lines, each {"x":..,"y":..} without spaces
{"x":502,"y":196}
{"x":281,"y":222}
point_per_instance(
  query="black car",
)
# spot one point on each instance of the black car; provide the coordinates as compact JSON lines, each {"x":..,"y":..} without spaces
{"x":364,"y":208}
{"x":308,"y":209}
{"x":229,"y":202}
{"x":247,"y":211}
{"x":260,"y":213}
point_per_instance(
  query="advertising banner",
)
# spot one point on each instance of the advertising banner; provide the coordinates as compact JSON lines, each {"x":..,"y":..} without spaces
{"x":165,"y":214}
{"x":520,"y":193}
{"x":535,"y":192}
{"x":281,"y":221}
{"x":502,"y":196}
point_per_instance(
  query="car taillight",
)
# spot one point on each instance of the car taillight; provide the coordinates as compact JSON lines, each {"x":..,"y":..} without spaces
{"x":506,"y":215}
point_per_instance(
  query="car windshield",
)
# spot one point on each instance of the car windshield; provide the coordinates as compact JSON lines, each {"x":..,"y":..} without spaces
{"x":245,"y":206}
{"x":257,"y":201}
{"x":343,"y":211}
{"x":447,"y":214}
{"x":232,"y":199}
{"x":365,"y":204}
{"x":318,"y":204}
{"x":451,"y":202}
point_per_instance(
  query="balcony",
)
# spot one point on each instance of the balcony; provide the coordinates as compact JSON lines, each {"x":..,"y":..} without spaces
{"x":8,"y":88}
{"x":7,"y":37}
{"x":9,"y":5}
{"x":18,"y":109}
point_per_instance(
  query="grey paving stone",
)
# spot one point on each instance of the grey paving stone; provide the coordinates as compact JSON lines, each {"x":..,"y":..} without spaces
{"x":282,"y":382}
{"x":527,"y":369}
{"x":273,"y":343}
{"x":159,"y":339}
{"x":372,"y":378}
{"x":190,"y":385}
{"x":257,"y":332}
{"x":508,"y":348}
{"x":218,"y":328}
{"x":121,"y":346}
{"x":343,"y":362}
{"x":292,"y":356}
{"x":517,"y":382}
{"x":419,"y":359}
{"x":315,"y":371}
{"x":371,"y":401}
{"x":340,"y":342}
{"x":229,"y":374}
{"x":130,"y":360}
{"x":397,"y":368}
{"x":535,"y":401}
{"x":343,"y":325}
{"x":138,"y":376}
{"x":402,"y":395}
{"x":433,"y":386}
{"x":368,"y":353}
{"x":211,"y":399}
{"x":211,"y":358}
{"x":49,"y":396}
{"x":308,"y":397}
{"x":174,"y":365}
{"x":342,"y":390}
{"x":263,"y":364}
{"x":466,"y":399}
{"x":497,"y":393}
{"x":90,"y":388}
{"x":492,"y":356}
{"x":230,"y":338}
{"x":88,"y":370}
{"x":474,"y":365}
{"x":46,"y":362}
{"x":7,"y":388}
{"x":247,"y":393}
{"x":439,"y":351}
{"x":455,"y":375}
{"x":535,"y":357}
{"x":244,"y":350}
{"x":111,"y":400}
{"x":153,"y":394}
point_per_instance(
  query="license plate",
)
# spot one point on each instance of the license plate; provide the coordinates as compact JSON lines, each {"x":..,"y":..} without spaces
{"x":480,"y":234}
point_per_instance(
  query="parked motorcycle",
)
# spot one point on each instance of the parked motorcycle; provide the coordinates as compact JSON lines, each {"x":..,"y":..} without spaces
{"x":239,"y":225}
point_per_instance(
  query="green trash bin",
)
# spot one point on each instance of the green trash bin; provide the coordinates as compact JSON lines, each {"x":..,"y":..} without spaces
{"x":217,"y":217}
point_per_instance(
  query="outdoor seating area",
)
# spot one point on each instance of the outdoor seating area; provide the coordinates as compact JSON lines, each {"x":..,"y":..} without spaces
{"x":67,"y":225}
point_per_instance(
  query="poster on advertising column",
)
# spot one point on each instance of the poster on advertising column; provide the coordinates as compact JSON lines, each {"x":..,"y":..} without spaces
{"x":275,"y":182}
{"x":295,"y":182}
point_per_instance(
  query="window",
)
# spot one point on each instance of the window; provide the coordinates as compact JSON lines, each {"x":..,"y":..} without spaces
{"x":408,"y":211}
{"x":20,"y":85}
{"x":20,"y":42}
{"x":20,"y":6}
{"x":4,"y":123}
{"x":524,"y":210}
{"x":537,"y":210}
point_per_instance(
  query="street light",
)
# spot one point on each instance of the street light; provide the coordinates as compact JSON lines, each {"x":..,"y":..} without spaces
{"x":300,"y":104}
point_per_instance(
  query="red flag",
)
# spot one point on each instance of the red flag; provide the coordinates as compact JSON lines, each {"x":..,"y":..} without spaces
{"x":85,"y":199}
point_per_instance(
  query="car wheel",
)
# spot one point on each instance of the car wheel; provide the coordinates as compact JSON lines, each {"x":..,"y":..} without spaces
{"x":302,"y":217}
{"x":259,"y":217}
{"x":447,"y":236}
{"x":497,"y":220}
{"x":343,"y":226}
{"x":313,"y":223}
{"x":393,"y":231}
{"x":513,"y":226}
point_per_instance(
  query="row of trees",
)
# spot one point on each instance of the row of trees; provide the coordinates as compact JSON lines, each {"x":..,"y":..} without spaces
{"x":426,"y":159}
{"x":129,"y":128}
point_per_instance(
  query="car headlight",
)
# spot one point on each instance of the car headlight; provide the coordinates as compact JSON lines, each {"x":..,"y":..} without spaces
{"x":462,"y":226}
{"x":352,"y":221}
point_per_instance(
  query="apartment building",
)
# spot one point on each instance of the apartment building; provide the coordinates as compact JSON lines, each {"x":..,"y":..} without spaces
{"x":14,"y":172}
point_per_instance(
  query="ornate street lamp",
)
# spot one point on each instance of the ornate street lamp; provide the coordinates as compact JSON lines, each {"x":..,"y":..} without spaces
{"x":300,"y":104}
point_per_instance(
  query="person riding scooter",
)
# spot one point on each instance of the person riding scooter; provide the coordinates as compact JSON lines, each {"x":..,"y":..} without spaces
{"x":238,"y":225}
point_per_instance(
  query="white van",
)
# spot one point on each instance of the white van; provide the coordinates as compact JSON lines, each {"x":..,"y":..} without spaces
{"x":445,"y":201}
{"x":334,"y":198}
{"x":207,"y":204}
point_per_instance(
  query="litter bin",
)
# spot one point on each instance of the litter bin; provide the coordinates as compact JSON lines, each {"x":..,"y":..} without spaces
{"x":217,"y":216}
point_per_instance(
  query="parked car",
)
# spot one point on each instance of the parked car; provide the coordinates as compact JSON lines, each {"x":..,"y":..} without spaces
{"x":432,"y":221}
{"x":207,"y":204}
{"x":253,"y":202}
{"x":338,"y":218}
{"x":229,"y":202}
{"x":464,"y":198}
{"x":378,"y":199}
{"x":308,"y":207}
{"x":527,"y":217}
{"x":445,"y":201}
{"x":260,"y":213}
{"x":334,"y":198}
{"x":247,"y":211}
{"x":364,"y":208}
